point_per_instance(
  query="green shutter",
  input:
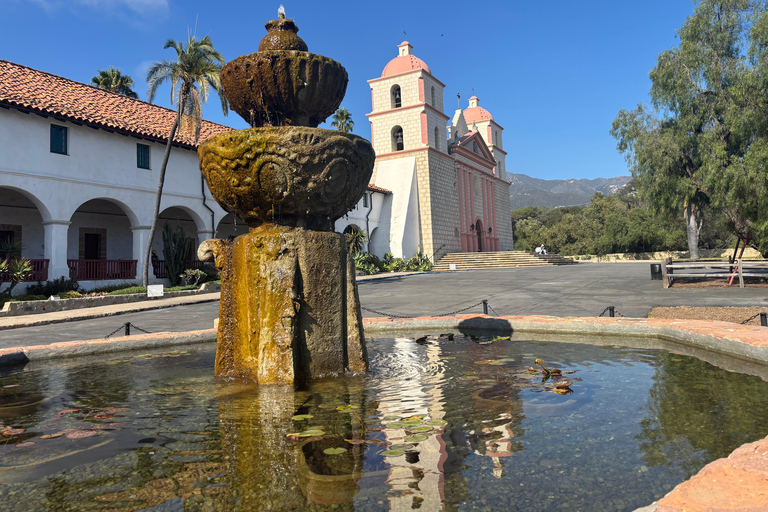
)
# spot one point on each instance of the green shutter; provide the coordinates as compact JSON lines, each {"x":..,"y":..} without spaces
{"x":58,"y":139}
{"x":142,"y":156}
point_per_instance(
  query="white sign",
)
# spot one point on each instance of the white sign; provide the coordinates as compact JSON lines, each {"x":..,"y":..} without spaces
{"x":451,"y":266}
{"x":155,"y":290}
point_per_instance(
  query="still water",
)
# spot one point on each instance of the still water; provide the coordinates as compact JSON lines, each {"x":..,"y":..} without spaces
{"x":438,"y":424}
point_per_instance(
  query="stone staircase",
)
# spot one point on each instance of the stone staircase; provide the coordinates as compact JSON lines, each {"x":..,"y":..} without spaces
{"x":506,"y":259}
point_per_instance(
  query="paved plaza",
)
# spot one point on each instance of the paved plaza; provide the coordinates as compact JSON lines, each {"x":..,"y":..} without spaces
{"x":576,"y":290}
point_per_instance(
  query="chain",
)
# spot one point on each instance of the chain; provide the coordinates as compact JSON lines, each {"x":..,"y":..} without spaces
{"x":140,"y":329}
{"x":442,"y":314}
{"x":606,"y":309}
{"x":494,"y":311}
{"x":113,"y":332}
{"x":750,"y":319}
{"x":123,"y":327}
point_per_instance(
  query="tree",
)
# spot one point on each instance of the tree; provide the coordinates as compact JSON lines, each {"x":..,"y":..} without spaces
{"x":342,"y":121}
{"x":701,"y":143}
{"x":114,"y":80}
{"x":196,"y":70}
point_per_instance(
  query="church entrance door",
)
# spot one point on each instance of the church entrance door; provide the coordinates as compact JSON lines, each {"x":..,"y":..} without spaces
{"x":479,"y":230}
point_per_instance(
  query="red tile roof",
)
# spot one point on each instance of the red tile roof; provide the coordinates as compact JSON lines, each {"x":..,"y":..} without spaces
{"x":374,"y":188}
{"x":37,"y":91}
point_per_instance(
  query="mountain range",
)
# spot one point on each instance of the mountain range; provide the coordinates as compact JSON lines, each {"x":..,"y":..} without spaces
{"x":527,"y":191}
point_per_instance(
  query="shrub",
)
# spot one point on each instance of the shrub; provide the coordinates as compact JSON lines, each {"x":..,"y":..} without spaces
{"x":192,"y":277}
{"x":129,"y":290}
{"x":355,"y":240}
{"x":113,"y":287}
{"x":419,"y":262}
{"x":182,"y":288}
{"x":69,"y":294}
{"x":176,"y":247}
{"x":16,"y":271}
{"x":53,"y":287}
{"x":211,"y":273}
{"x":368,"y":263}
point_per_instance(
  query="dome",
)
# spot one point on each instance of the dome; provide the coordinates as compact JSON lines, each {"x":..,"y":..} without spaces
{"x":404,"y":62}
{"x":475,"y":113}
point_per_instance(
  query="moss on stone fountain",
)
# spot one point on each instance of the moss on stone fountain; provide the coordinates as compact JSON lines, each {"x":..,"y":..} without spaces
{"x":289,"y":306}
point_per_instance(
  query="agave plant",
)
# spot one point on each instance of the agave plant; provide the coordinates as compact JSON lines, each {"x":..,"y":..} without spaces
{"x":15,"y":271}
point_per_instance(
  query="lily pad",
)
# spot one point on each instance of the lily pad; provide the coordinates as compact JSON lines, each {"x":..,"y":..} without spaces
{"x":334,"y":451}
{"x":448,"y":357}
{"x":483,"y":361}
{"x":390,"y":418}
{"x":26,"y":443}
{"x":393,"y":453}
{"x":436,"y":423}
{"x":355,"y":441}
{"x":300,"y":417}
{"x":348,"y":407}
{"x":80,"y":434}
{"x":422,"y":428}
{"x":416,"y":438}
{"x":496,"y":362}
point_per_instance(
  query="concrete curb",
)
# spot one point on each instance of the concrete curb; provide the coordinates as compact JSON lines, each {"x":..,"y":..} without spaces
{"x":18,"y":355}
{"x":33,"y":307}
{"x":104,"y":311}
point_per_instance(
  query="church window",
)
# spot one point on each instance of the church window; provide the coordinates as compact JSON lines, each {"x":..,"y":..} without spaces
{"x":433,"y":96}
{"x":496,"y":140}
{"x":397,"y":139}
{"x":365,"y":200}
{"x":437,"y":137}
{"x":474,"y":147}
{"x":397,"y":100}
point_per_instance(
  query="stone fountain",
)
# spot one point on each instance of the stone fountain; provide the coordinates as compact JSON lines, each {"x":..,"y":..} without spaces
{"x":289,"y":305}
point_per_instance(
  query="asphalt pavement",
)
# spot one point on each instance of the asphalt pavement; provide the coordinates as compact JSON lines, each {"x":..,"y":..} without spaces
{"x":581,"y":290}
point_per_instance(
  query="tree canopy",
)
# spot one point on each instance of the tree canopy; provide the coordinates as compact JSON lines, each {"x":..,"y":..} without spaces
{"x":342,"y":121}
{"x":701,"y":143}
{"x":114,"y":80}
{"x":196,"y":70}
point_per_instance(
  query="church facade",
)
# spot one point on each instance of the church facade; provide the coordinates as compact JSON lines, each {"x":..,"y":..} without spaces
{"x":449,"y":189}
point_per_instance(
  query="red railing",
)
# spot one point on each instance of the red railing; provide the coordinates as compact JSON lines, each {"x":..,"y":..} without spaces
{"x":98,"y":270}
{"x":39,"y":272}
{"x":160,"y":272}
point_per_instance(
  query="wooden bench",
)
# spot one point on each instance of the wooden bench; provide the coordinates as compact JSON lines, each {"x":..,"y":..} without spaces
{"x":725,"y":269}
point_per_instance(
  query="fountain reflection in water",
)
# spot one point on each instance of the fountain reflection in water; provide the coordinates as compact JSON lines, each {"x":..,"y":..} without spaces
{"x":289,"y":305}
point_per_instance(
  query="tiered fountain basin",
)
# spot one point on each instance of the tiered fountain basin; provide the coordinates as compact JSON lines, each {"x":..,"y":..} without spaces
{"x":417,"y":383}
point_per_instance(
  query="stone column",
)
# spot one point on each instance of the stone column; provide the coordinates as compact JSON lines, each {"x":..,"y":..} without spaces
{"x":55,"y":247}
{"x":140,"y":240}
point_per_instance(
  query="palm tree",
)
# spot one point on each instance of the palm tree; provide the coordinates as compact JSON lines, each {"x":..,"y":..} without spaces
{"x":196,"y":70}
{"x":342,"y":121}
{"x":114,"y":80}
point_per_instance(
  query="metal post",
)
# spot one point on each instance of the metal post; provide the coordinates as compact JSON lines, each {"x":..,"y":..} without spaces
{"x":764,"y":319}
{"x":611,"y":311}
{"x":485,"y":307}
{"x":127,"y":328}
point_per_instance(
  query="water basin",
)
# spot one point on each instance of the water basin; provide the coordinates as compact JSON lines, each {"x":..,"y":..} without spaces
{"x":438,"y":424}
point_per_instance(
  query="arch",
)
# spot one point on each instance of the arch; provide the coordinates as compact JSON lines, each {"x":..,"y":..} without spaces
{"x":175,"y":216}
{"x":196,"y":218}
{"x":230,"y":227}
{"x":437,"y":137}
{"x":433,"y":97}
{"x":350,"y":228}
{"x":397,"y":139}
{"x":100,"y":229}
{"x":44,"y":212}
{"x":22,"y":221}
{"x":395,"y":95}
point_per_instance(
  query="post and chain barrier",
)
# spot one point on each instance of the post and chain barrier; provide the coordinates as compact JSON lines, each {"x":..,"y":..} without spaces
{"x":482,"y":302}
{"x":127,"y":327}
{"x":611,"y":310}
{"x":763,"y":319}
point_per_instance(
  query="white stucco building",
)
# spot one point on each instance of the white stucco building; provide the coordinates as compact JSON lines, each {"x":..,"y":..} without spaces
{"x":78,"y":177}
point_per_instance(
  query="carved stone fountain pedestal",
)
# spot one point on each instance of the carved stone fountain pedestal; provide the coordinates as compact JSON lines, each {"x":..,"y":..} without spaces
{"x":289,"y":305}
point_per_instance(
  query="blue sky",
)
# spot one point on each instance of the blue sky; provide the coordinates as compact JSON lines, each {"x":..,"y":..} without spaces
{"x":553,"y":73}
